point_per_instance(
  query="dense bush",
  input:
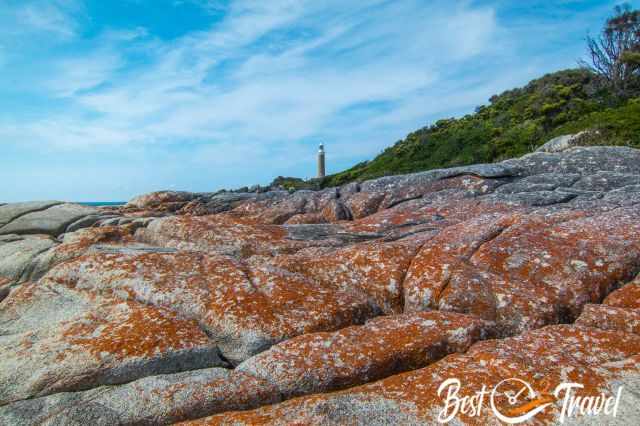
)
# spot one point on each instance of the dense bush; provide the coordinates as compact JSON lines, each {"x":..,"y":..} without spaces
{"x":514,"y":123}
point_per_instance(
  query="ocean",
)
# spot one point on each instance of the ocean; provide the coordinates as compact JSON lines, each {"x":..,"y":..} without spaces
{"x":102,"y":203}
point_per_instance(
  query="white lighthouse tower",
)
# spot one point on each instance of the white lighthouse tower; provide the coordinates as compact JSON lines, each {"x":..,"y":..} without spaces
{"x":321,"y":170}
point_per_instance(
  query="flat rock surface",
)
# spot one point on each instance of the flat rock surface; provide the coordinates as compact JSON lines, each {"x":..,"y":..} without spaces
{"x":321,"y":362}
{"x":161,"y":399}
{"x":600,"y":360}
{"x":244,"y":311}
{"x":91,"y":340}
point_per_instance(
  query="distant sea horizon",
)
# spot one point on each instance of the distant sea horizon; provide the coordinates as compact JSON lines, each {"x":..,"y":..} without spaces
{"x":101,"y":203}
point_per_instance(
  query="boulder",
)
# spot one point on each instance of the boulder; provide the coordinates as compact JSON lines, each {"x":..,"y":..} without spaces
{"x":81,"y":340}
{"x":241,"y":237}
{"x":51,"y":221}
{"x":565,"y":142}
{"x":322,"y":362}
{"x":217,"y":203}
{"x":217,"y":233}
{"x":243,"y":310}
{"x":153,"y":400}
{"x":17,"y":256}
{"x":363,"y":204}
{"x":626,"y":297}
{"x":335,"y":211}
{"x":75,"y":244}
{"x":84,"y":222}
{"x":283,"y":210}
{"x":525,"y":271}
{"x":374,"y":269}
{"x":542,"y":358}
{"x":306,"y":219}
{"x":610,"y":318}
{"x":619,"y":311}
{"x":158,"y":198}
{"x":11,"y":211}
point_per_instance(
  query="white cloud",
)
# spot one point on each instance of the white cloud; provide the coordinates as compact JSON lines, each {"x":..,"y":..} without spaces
{"x":78,"y":74}
{"x":281,"y":90}
{"x":57,"y":17}
{"x":251,"y":90}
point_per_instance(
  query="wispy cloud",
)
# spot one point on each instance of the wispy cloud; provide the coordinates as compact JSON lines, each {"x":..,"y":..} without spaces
{"x":269,"y":71}
{"x":267,"y":80}
{"x":55,"y":17}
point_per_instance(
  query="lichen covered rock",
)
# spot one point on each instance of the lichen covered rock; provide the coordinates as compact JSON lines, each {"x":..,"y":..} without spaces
{"x":160,"y":399}
{"x":599,"y":360}
{"x":96,"y":340}
{"x":321,"y":362}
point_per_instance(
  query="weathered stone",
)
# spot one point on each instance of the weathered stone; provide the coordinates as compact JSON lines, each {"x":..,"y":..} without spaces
{"x":112,"y":221}
{"x":435,"y":211}
{"x":523,"y":243}
{"x":306,"y":219}
{"x":540,"y":182}
{"x":220,"y":234}
{"x":348,"y":189}
{"x":583,"y":161}
{"x":244,"y":311}
{"x":241,"y":237}
{"x":326,"y":235}
{"x":536,"y":198}
{"x":156,"y":199}
{"x":285,"y":209}
{"x":9,"y":238}
{"x":217,"y":203}
{"x":74,"y":245}
{"x":84,"y":222}
{"x":565,"y":142}
{"x":321,"y":362}
{"x":335,"y":211}
{"x":607,"y":181}
{"x":471,"y":185}
{"x":525,"y":271}
{"x":374,"y":269}
{"x":600,"y":360}
{"x":610,"y":318}
{"x":109,"y":341}
{"x":5,"y":288}
{"x":626,"y":297}
{"x":17,"y":256}
{"x":11,"y":211}
{"x":153,"y":400}
{"x":363,"y":204}
{"x":52,"y":221}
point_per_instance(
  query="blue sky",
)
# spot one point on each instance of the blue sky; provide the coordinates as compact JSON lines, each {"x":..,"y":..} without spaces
{"x":103,"y":100}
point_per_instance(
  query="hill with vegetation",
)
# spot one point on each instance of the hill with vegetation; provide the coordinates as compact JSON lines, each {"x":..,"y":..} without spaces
{"x":514,"y":123}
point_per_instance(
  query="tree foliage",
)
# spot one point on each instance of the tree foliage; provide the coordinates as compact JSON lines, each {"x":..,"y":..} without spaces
{"x":514,"y":123}
{"x":615,"y":54}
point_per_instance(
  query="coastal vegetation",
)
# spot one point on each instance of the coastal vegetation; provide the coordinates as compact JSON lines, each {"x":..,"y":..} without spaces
{"x":603,"y":95}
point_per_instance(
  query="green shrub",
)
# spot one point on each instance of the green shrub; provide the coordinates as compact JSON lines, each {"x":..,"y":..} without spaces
{"x":512,"y":124}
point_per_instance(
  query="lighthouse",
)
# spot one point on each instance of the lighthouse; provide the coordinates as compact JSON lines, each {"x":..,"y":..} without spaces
{"x":321,"y":171}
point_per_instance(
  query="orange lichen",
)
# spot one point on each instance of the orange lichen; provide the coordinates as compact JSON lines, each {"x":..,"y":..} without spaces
{"x":626,"y":297}
{"x":543,"y":358}
{"x":357,"y":354}
{"x":132,"y":330}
